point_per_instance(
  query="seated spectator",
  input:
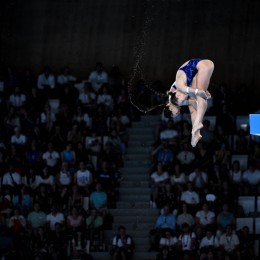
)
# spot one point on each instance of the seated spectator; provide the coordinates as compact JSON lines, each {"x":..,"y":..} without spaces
{"x":166,"y":221}
{"x":33,"y":155}
{"x":178,"y":179}
{"x":222,"y":156}
{"x":208,"y":243}
{"x":185,"y":217}
{"x":53,"y":218}
{"x":57,"y":137}
{"x":87,"y":98}
{"x":187,"y":242}
{"x":93,"y":144}
{"x":18,"y":138}
{"x":199,"y":179}
{"x":64,"y":176}
{"x":162,"y":154}
{"x":45,"y":178}
{"x":98,"y":77}
{"x":229,"y":243}
{"x":95,"y":230}
{"x":206,"y":133}
{"x":69,"y":156}
{"x":74,"y":221}
{"x":74,"y":135}
{"x":122,"y":245}
{"x":169,"y":242}
{"x":216,"y":177}
{"x":205,"y":217}
{"x":12,"y":180}
{"x":159,"y":178}
{"x":186,"y":158}
{"x":169,"y":134}
{"x":17,"y":223}
{"x":58,"y":242}
{"x":43,"y":197}
{"x":251,"y":179}
{"x":166,"y":196}
{"x":236,"y":177}
{"x":46,"y":80}
{"x":65,"y":77}
{"x":48,"y":118}
{"x":246,"y":243}
{"x":51,"y":157}
{"x":190,"y":197}
{"x":76,"y":197}
{"x":225,"y":218}
{"x":98,"y":198}
{"x":115,"y":140}
{"x":83,"y":177}
{"x":17,"y":99}
{"x":61,"y":198}
{"x":203,"y":156}
{"x":36,"y":218}
{"x":105,"y":99}
{"x":82,"y":119}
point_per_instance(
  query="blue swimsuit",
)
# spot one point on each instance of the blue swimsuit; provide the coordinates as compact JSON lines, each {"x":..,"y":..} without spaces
{"x":190,"y":70}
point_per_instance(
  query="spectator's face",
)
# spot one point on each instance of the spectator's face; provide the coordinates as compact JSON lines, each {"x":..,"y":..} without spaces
{"x":121,"y":232}
{"x":208,"y":234}
{"x":166,"y":210}
{"x":36,"y":207}
{"x":205,"y":207}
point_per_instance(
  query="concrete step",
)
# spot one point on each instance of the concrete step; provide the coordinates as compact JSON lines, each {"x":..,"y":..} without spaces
{"x":137,"y":177}
{"x":134,"y":191}
{"x":150,"y":118}
{"x":128,"y":184}
{"x":137,"y":157}
{"x":140,"y":143}
{"x":134,"y":197}
{"x":134,"y":212}
{"x":136,"y":131}
{"x":135,"y":226}
{"x":137,"y":256}
{"x":133,"y":205}
{"x":137,"y":164}
{"x":142,"y":172}
{"x":135,"y":219}
{"x":134,"y":150}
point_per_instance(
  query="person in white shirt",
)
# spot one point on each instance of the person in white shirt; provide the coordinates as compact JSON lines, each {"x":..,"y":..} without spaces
{"x":54,"y":217}
{"x":11,"y":178}
{"x":251,"y":179}
{"x":186,"y":241}
{"x":169,"y":134}
{"x":229,"y":242}
{"x":205,"y":216}
{"x":98,"y":77}
{"x":168,"y":242}
{"x":190,"y":196}
{"x":51,"y":157}
{"x":87,"y":98}
{"x":17,"y":99}
{"x":158,"y":179}
{"x":83,"y":177}
{"x":45,"y":178}
{"x":46,"y":80}
{"x":186,"y":157}
{"x":18,"y":138}
{"x":198,"y":178}
{"x":65,"y":77}
{"x":105,"y":99}
{"x":185,"y":217}
{"x":208,"y":242}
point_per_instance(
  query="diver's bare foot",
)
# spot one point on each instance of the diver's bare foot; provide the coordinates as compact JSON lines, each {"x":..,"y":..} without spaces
{"x":195,"y":139}
{"x":196,"y":128}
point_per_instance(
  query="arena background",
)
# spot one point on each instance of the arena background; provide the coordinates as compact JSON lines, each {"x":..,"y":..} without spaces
{"x":78,"y":33}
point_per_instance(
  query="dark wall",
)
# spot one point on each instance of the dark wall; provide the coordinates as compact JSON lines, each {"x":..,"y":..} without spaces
{"x":79,"y":33}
